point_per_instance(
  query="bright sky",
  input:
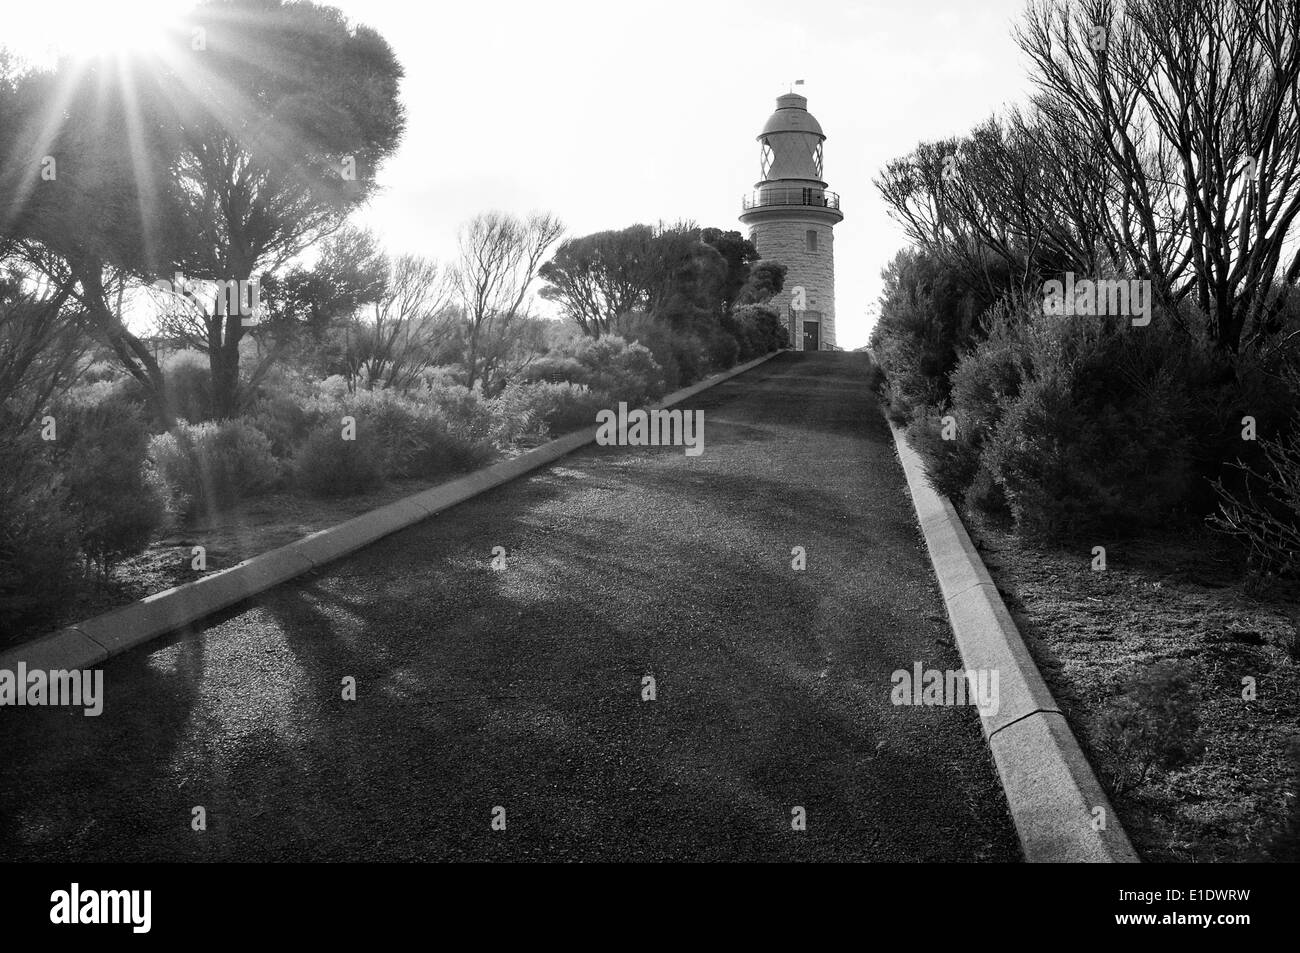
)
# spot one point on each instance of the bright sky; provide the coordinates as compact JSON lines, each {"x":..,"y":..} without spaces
{"x":611,"y":113}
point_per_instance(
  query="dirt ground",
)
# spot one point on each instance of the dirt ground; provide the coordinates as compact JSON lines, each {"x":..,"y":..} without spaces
{"x":1175,"y":596}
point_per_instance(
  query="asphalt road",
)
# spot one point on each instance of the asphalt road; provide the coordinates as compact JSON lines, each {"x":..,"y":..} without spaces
{"x":522,"y":689}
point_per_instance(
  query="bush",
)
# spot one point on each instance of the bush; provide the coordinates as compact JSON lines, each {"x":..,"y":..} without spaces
{"x":101,"y":371}
{"x":283,"y":420}
{"x":875,"y":376}
{"x":444,"y":450}
{"x":1077,"y":423}
{"x":723,"y":348}
{"x":622,"y":370}
{"x":612,"y":365}
{"x":118,"y":497}
{"x":1153,"y":724}
{"x":93,"y":393}
{"x":759,"y":331}
{"x":928,"y":318}
{"x":519,"y":412}
{"x":328,"y":465}
{"x":1265,"y":515}
{"x":208,"y":466}
{"x":681,"y":354}
{"x":394,"y":422}
{"x":411,"y":436}
{"x":335,"y":386}
{"x":1258,"y":495}
{"x":985,"y":382}
{"x":464,"y":411}
{"x":951,"y":450}
{"x":544,"y":409}
{"x":556,"y":367}
{"x":38,"y":537}
{"x":1101,"y":438}
{"x":187,"y":385}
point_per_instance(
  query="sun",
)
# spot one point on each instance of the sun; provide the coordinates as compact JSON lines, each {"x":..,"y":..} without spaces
{"x":45,"y":30}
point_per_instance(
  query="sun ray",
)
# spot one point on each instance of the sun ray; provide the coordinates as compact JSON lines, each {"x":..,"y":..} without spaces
{"x":29,"y":159}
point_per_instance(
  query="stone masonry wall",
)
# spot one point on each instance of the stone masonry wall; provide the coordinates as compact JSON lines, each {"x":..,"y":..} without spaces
{"x":784,"y":241}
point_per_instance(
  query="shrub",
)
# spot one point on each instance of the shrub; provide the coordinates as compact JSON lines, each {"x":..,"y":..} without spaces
{"x":464,"y":411}
{"x":1265,"y":514}
{"x":328,"y":465}
{"x":444,"y":450}
{"x":38,"y":537}
{"x":622,"y":370}
{"x":93,"y":393}
{"x":875,"y":376}
{"x":187,"y":385}
{"x":335,"y":386}
{"x":723,"y":348}
{"x":208,"y":466}
{"x":394,"y":422}
{"x":518,"y":413}
{"x":443,"y":375}
{"x":612,"y":365}
{"x":928,"y":318}
{"x":1102,"y":436}
{"x":1075,"y":423}
{"x":411,"y":436}
{"x":681,"y":354}
{"x":556,"y":368}
{"x":759,"y":331}
{"x":951,"y":450}
{"x":101,"y":371}
{"x":118,"y":498}
{"x":283,"y":420}
{"x":1153,"y":724}
{"x":542,"y":409}
{"x":984,"y":383}
{"x":1068,"y":463}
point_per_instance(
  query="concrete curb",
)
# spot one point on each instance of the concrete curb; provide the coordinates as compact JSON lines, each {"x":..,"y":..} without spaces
{"x":89,"y":643}
{"x":1051,"y":789}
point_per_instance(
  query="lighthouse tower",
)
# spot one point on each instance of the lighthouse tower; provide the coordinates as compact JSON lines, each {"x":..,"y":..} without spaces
{"x":791,"y":219}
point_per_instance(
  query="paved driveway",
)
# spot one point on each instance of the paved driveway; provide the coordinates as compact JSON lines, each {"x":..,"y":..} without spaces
{"x":523,"y":688}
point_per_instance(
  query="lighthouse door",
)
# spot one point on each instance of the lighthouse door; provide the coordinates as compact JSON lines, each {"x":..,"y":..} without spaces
{"x":811,"y":335}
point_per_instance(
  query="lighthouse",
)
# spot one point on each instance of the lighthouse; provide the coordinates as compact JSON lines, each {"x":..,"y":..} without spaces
{"x":791,"y":219}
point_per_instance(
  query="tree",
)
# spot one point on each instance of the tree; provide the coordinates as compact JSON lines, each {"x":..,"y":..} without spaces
{"x":599,"y":278}
{"x":389,"y":345}
{"x":41,"y":351}
{"x":738,"y":255}
{"x":928,"y":318}
{"x":1196,"y":104}
{"x":1163,"y":144}
{"x":280,"y":123}
{"x":82,"y":206}
{"x":765,"y":281}
{"x":351,"y":272}
{"x":216,"y":161}
{"x":499,"y":258}
{"x":682,"y":274}
{"x":305,"y":309}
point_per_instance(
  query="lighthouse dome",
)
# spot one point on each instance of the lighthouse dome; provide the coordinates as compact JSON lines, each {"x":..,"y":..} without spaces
{"x":792,"y":115}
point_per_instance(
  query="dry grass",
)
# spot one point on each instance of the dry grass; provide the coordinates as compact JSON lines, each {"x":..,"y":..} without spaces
{"x":1168,"y":597}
